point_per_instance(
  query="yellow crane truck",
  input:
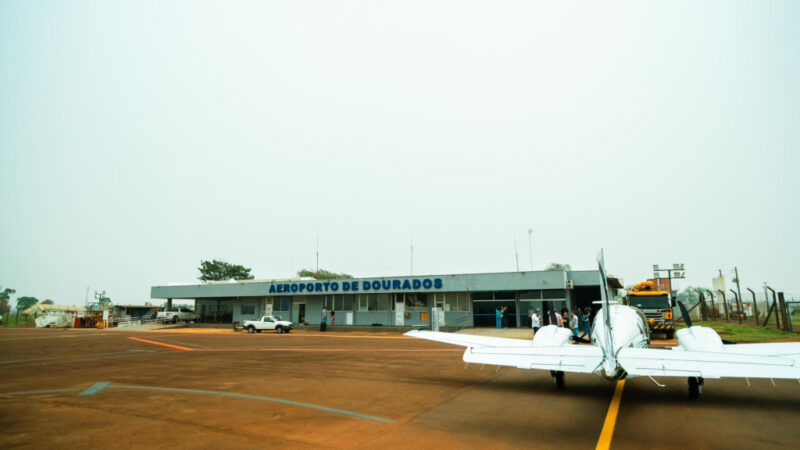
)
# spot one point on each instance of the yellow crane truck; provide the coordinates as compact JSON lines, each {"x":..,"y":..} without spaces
{"x":656,"y":307}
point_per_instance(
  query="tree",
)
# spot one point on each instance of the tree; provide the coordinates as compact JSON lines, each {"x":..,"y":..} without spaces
{"x":220,"y":270}
{"x":24,"y":303}
{"x":5,"y":296}
{"x":558,"y":266}
{"x":323,"y":274}
{"x":104,"y":301}
{"x":48,"y":302}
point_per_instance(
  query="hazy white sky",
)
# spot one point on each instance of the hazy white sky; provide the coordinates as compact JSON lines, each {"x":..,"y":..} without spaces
{"x":139,"y":138}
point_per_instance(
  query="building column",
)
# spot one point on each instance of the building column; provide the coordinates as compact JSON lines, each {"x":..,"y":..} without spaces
{"x":169,"y":304}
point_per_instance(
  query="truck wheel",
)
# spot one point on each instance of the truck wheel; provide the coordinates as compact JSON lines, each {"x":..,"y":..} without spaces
{"x":251,"y":329}
{"x":279,"y":330}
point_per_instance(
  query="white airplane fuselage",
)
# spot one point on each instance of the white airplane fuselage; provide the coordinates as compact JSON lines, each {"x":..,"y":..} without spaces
{"x":628,"y":329}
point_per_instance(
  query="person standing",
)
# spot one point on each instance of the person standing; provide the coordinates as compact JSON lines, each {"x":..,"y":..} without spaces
{"x":586,"y":324}
{"x":573,"y":323}
{"x":559,"y":320}
{"x":333,"y":316}
{"x":324,"y":323}
{"x":535,"y":322}
{"x":504,"y":317}
{"x":498,"y":315}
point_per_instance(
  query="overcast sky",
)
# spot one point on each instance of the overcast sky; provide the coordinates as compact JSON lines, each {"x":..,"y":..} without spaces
{"x":139,"y":138}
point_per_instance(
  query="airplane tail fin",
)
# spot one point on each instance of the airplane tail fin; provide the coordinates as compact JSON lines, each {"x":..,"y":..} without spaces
{"x":685,"y":314}
{"x":609,"y":339}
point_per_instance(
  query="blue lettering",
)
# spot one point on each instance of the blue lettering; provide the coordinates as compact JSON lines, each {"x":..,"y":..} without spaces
{"x":437,"y":283}
{"x":286,"y":287}
{"x":318,"y":287}
{"x":310,"y":287}
{"x":395,"y":284}
{"x":302,"y":287}
{"x":376,"y":285}
{"x":365,"y":285}
{"x":294,"y":288}
{"x":417,"y":284}
{"x":354,"y":286}
{"x":334,"y":286}
{"x":280,"y":289}
{"x":271,"y":288}
{"x":326,"y":284}
{"x":387,"y":284}
{"x":427,"y":283}
{"x":346,"y":285}
{"x":406,"y":284}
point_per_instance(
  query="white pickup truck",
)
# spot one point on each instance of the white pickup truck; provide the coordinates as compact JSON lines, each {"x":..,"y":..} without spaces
{"x":178,"y":314}
{"x":268,"y":323}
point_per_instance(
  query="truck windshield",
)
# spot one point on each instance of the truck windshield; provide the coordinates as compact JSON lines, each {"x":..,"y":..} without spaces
{"x":650,"y":302}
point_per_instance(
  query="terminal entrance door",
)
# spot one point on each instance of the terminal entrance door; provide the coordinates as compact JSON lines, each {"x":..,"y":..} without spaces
{"x":485,"y":313}
{"x":298,"y":312}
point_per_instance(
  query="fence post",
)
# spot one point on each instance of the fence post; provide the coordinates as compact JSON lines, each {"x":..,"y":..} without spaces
{"x":725,"y":304}
{"x":784,"y":315}
{"x":755,"y":304}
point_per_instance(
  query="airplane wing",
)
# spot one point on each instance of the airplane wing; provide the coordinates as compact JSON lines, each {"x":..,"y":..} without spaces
{"x":751,"y":361}
{"x":468,"y":340}
{"x":523,"y":354}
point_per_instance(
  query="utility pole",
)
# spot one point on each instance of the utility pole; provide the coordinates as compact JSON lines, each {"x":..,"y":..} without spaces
{"x":317,"y":274}
{"x":530,"y":246}
{"x":516,"y":254}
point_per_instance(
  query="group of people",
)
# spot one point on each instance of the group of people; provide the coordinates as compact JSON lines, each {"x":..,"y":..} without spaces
{"x":500,"y":316}
{"x":577,"y":321}
{"x":325,"y":316}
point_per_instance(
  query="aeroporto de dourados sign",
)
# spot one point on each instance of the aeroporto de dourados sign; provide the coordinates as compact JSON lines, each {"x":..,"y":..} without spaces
{"x":407,"y":284}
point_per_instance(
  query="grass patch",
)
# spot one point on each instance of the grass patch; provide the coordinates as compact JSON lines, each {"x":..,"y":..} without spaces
{"x":746,"y":333}
{"x":10,"y":320}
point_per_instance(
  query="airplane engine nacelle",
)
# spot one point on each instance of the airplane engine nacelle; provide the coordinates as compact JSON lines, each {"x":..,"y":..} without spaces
{"x":700,"y":339}
{"x":551,"y":336}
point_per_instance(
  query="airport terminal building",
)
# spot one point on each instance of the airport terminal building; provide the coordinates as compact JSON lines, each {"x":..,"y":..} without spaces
{"x":460,"y":300}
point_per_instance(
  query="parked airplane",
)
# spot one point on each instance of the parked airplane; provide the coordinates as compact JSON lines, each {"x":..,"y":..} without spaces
{"x":620,"y":350}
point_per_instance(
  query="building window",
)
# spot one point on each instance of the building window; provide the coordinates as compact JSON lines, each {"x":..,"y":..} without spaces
{"x":416,"y":302}
{"x":455,"y":301}
{"x":281,"y":304}
{"x":248,"y":309}
{"x":554,"y":294}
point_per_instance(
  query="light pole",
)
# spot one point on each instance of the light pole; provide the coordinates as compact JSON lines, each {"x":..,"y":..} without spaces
{"x":678,"y":271}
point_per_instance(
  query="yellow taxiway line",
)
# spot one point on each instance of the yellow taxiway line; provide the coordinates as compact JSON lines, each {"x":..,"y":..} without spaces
{"x":604,"y":443}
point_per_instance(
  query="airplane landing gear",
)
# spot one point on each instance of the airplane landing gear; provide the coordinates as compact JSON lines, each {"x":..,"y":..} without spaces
{"x":695,"y":386}
{"x":558,"y":377}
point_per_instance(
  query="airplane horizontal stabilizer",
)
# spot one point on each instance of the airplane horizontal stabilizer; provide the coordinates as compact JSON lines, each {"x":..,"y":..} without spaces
{"x":726,"y":364}
{"x":570,"y":358}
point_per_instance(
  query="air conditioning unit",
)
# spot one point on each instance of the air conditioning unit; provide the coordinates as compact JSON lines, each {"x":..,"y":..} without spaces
{"x":570,"y":284}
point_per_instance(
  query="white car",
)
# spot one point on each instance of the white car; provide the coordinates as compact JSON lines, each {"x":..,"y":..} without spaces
{"x":179,"y":314}
{"x":267,"y":323}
